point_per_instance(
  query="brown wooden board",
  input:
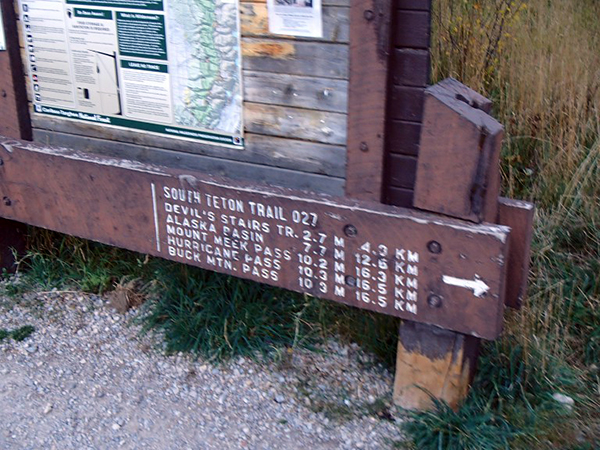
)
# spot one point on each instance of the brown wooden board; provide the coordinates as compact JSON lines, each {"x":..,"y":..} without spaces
{"x":457,"y":171}
{"x":412,"y":29}
{"x":517,"y":215}
{"x":402,"y":171}
{"x":466,"y":94}
{"x":257,"y":173}
{"x":404,"y":138}
{"x":410,"y":67}
{"x":418,"y":5}
{"x":407,"y":103}
{"x":267,"y":151}
{"x":412,"y":265}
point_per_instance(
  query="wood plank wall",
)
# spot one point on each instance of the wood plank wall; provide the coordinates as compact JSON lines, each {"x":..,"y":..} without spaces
{"x":409,"y":76}
{"x":295,"y":107}
{"x":295,"y":111}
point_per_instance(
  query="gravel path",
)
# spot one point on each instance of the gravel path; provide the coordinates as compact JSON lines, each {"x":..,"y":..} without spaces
{"x":85,"y":379}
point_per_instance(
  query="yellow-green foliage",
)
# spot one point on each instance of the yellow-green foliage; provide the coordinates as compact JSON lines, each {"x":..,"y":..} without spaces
{"x":539,"y":61}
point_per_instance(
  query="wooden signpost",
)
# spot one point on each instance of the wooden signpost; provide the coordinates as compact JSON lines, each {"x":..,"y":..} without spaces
{"x":294,"y":196}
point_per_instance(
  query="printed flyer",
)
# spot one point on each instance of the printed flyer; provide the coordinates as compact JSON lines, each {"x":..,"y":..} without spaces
{"x":296,"y":17}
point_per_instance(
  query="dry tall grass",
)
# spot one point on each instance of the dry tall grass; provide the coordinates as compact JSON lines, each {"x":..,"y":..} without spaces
{"x":539,"y":61}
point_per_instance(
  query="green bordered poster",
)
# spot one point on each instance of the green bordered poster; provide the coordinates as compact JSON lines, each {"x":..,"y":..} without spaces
{"x":171,"y":67}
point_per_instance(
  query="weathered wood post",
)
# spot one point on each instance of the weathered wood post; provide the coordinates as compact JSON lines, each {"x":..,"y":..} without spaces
{"x":457,"y":175}
{"x":14,"y":123}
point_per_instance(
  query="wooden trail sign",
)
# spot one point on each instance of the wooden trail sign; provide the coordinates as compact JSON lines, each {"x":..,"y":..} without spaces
{"x":269,"y":157}
{"x":395,"y":261}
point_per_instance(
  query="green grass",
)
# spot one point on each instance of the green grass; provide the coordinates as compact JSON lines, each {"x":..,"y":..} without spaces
{"x":22,"y":333}
{"x":18,"y":334}
{"x":198,"y":311}
{"x":219,"y":317}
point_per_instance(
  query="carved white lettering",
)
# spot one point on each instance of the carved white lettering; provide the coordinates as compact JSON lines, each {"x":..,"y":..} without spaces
{"x":246,"y":235}
{"x":182,"y":195}
{"x":401,"y":254}
{"x":229,"y":204}
{"x":413,"y":257}
{"x":339,"y":267}
{"x":399,"y":267}
{"x":412,"y":270}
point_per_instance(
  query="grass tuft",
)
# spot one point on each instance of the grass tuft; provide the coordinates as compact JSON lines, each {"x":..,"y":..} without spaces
{"x":219,"y":317}
{"x":22,"y":333}
{"x":18,"y":334}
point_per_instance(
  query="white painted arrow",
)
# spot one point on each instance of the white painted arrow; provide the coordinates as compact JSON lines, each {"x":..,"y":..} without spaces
{"x":477,"y":285}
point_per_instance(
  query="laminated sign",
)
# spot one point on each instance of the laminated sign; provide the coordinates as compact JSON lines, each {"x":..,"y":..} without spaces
{"x":162,"y":66}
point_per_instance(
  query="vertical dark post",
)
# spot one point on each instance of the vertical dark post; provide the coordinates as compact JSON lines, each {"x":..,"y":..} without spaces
{"x":370,"y":25}
{"x":457,"y":175}
{"x":14,"y":123}
{"x":430,"y":361}
{"x":14,"y":108}
{"x":409,"y":76}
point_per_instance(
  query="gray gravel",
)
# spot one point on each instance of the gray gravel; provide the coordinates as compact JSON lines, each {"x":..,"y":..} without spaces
{"x":85,"y":379}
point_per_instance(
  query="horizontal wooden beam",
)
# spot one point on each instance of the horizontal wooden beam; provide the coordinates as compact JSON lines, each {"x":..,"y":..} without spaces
{"x":413,"y":265}
{"x":266,"y":151}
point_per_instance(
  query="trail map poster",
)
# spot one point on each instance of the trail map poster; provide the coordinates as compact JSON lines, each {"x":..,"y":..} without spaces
{"x":171,"y":67}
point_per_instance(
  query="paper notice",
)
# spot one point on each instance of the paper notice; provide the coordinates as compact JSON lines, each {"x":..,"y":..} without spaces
{"x":2,"y":37}
{"x":296,"y":17}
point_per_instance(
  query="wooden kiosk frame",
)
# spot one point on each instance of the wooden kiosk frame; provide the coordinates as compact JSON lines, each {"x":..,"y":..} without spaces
{"x":362,"y":125}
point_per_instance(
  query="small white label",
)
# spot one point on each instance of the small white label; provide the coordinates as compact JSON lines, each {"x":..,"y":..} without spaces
{"x":2,"y":37}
